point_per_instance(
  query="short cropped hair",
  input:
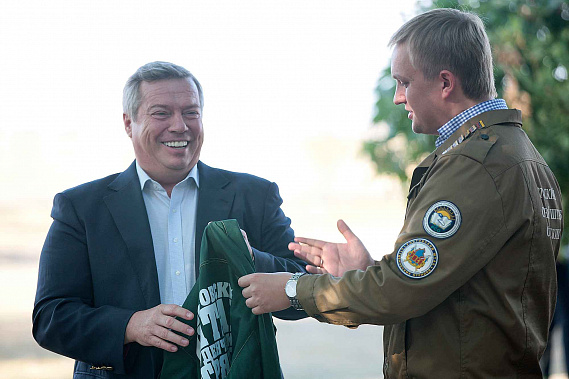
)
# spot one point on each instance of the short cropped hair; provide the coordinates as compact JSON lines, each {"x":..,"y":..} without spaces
{"x":449,"y":39}
{"x":148,"y":73}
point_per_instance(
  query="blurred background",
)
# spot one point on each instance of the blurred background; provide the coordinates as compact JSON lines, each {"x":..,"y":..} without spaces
{"x":296,"y":92}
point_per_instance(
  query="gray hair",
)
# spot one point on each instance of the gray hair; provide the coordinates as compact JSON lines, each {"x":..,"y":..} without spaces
{"x":148,"y":73}
{"x":449,"y":39}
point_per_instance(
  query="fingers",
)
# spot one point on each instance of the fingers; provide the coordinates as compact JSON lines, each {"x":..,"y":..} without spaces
{"x":168,"y":321}
{"x":166,"y":339}
{"x":176,"y":311}
{"x":245,"y":280}
{"x":244,"y":234}
{"x":249,"y":284}
{"x":250,"y":302}
{"x":309,"y":258}
{"x":292,"y":246}
{"x":316,"y":270}
{"x":309,"y":254}
{"x":310,"y":242}
{"x":257,"y":311}
{"x":264,"y":292}
{"x":345,"y":230}
{"x":157,"y":327}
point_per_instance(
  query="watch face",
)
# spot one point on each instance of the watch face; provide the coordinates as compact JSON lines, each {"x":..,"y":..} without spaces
{"x":290,"y":288}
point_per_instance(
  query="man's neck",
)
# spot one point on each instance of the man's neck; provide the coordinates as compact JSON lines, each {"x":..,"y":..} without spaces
{"x":456,"y":108}
{"x":167,"y":180}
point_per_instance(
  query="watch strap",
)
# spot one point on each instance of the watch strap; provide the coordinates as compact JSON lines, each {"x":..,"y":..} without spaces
{"x":293,"y":300}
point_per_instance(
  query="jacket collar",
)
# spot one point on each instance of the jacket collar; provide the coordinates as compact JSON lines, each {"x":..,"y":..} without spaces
{"x":495,"y":117}
{"x":215,"y":199}
{"x":126,"y":205}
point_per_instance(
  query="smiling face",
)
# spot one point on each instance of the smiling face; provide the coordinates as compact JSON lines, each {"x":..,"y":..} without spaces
{"x":422,"y":98}
{"x":168,"y":134}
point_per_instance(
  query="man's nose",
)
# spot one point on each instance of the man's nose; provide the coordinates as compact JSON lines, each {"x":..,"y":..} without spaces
{"x":178,"y":124}
{"x":399,"y":97}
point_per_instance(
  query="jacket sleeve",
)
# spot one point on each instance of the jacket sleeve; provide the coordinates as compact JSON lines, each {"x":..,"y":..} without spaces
{"x":65,"y":319}
{"x":383,"y":294}
{"x":273,"y":254}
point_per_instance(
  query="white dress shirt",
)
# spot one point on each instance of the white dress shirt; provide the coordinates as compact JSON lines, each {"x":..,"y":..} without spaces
{"x":173,"y":225}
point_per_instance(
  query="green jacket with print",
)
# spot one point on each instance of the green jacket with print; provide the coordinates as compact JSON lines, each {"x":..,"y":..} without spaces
{"x":230,"y":341}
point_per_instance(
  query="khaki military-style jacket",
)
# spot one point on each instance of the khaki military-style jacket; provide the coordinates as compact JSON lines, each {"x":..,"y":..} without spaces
{"x":469,"y":289}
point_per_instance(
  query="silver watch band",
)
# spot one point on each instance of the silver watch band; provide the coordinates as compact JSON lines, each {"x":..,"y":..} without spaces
{"x":293,"y":300}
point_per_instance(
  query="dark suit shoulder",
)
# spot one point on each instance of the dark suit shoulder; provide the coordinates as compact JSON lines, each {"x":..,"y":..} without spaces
{"x":235,"y":178}
{"x":89,"y":188}
{"x":244,"y":177}
{"x":103,"y":186}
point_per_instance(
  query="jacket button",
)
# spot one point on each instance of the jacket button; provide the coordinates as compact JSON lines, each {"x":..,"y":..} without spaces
{"x":484,"y":136}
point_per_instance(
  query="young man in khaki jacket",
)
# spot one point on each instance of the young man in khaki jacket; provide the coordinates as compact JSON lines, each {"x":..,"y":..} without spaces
{"x":469,"y":289}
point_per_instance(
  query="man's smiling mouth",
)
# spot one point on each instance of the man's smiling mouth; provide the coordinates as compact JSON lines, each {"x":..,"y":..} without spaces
{"x":176,"y":144}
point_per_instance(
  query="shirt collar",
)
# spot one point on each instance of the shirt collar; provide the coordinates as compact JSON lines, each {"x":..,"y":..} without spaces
{"x":457,"y":121}
{"x":143,"y":176}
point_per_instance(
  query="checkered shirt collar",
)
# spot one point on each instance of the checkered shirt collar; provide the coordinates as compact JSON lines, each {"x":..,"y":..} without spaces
{"x":457,"y":121}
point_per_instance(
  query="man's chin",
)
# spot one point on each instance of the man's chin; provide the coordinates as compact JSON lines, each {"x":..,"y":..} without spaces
{"x":181,"y":165}
{"x":417,"y":129}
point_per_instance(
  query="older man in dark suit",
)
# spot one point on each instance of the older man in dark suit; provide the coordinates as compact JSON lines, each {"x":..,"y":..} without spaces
{"x":123,"y":251}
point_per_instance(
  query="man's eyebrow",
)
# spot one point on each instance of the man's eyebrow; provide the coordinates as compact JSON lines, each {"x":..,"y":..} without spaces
{"x":193,"y":105}
{"x":157,"y":106}
{"x":401,"y":78}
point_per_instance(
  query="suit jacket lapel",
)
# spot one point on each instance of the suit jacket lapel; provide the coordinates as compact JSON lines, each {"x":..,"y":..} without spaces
{"x":129,"y":213}
{"x":215,"y":198}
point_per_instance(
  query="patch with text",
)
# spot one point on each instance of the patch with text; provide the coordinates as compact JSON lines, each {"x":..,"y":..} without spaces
{"x":417,"y":258}
{"x":442,"y":219}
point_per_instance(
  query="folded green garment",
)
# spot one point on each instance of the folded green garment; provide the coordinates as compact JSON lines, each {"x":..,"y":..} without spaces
{"x":230,"y":341}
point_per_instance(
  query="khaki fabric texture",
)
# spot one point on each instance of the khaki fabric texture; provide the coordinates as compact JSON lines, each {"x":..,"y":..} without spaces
{"x":485,"y":309}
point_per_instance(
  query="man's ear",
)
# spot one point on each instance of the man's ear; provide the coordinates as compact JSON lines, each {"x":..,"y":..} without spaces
{"x":449,"y":83}
{"x":127,"y":124}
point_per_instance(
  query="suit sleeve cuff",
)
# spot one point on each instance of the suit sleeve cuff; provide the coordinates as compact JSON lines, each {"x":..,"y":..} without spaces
{"x":263,"y":262}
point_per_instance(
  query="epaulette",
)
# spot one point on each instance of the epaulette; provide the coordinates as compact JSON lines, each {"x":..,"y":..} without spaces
{"x":477,"y":126}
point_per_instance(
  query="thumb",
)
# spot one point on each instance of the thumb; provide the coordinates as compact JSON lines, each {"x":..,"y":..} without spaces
{"x":345,"y":230}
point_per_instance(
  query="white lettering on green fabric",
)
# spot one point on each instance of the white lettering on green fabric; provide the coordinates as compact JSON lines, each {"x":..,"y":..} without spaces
{"x":215,"y":352}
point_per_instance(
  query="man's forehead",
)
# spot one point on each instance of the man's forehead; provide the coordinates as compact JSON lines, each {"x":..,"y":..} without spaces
{"x":178,"y":88}
{"x":401,"y":62}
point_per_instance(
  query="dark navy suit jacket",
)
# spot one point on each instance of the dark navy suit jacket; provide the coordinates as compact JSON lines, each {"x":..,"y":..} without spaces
{"x":97,"y":266}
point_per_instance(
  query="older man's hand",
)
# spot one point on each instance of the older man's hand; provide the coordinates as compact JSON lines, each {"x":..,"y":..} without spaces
{"x":155,"y":326}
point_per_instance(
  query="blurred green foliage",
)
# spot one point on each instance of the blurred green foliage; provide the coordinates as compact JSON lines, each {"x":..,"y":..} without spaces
{"x":530,"y":44}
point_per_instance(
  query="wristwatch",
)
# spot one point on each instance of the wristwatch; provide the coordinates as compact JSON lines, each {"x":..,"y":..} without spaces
{"x":290,"y":290}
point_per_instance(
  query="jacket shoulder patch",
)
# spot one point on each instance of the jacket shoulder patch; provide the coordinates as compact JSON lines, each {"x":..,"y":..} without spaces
{"x":417,"y":258}
{"x":442,"y":219}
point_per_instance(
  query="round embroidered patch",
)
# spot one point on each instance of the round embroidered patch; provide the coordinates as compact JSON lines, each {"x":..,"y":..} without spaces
{"x":442,"y":219}
{"x":417,"y":258}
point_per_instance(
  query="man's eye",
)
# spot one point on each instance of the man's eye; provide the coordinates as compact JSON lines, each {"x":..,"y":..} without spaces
{"x":404,"y":84}
{"x":191,"y":114}
{"x":160,"y":114}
